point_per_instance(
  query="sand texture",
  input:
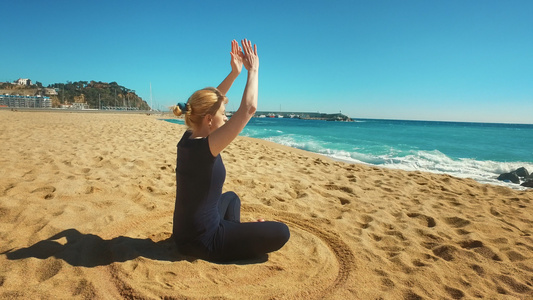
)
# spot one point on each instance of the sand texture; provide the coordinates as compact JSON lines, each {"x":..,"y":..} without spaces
{"x":86,"y":204}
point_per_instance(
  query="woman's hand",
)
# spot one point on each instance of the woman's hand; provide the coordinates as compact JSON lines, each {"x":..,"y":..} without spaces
{"x":251,"y":60}
{"x":236,"y":57}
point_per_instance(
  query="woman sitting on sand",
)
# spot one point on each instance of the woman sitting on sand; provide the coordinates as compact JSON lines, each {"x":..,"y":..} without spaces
{"x":206,"y":222}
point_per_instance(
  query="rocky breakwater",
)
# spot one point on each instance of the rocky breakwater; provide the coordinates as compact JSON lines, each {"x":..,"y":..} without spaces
{"x":519,"y":176}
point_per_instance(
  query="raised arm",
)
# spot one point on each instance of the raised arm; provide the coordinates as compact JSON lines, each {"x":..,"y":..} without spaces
{"x":236,"y":67}
{"x":223,"y":136}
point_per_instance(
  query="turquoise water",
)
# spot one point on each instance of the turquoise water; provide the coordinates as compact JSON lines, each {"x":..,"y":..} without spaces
{"x":480,"y":151}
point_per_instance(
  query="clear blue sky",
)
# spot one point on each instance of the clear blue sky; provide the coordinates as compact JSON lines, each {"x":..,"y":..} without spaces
{"x":423,"y":60}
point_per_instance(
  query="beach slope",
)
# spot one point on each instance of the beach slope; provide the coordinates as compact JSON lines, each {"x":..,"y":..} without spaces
{"x":86,"y":204}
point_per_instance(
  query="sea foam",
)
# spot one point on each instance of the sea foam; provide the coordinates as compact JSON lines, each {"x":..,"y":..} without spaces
{"x":466,"y":150}
{"x":415,"y":160}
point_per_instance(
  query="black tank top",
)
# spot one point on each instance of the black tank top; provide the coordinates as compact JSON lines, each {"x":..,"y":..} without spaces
{"x":199,"y":181}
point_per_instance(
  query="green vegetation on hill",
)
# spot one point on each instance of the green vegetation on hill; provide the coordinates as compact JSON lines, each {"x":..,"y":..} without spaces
{"x":98,"y":94}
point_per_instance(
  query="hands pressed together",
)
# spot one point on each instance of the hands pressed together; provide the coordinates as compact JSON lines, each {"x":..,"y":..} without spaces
{"x":247,"y":56}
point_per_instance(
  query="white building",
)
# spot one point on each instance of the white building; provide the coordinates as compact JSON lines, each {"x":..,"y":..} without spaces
{"x":77,"y":105}
{"x":25,"y":101}
{"x":23,"y":81}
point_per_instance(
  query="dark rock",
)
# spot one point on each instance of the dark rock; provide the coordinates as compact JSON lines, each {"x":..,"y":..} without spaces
{"x":528,"y":184}
{"x":521,"y":172}
{"x":512,"y":177}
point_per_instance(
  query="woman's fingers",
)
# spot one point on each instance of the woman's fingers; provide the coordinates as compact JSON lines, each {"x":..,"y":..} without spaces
{"x":246,"y":45}
{"x":234,"y":46}
{"x":250,"y":58}
{"x":248,"y":49}
{"x":243,"y":43}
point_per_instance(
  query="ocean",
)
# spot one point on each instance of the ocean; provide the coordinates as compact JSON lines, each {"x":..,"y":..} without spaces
{"x":480,"y":151}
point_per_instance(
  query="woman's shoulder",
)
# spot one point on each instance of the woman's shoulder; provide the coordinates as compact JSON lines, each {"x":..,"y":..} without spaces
{"x":198,"y":145}
{"x":186,"y":138}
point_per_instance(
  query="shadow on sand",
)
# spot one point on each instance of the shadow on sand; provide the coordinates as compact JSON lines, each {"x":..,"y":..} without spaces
{"x":89,"y":250}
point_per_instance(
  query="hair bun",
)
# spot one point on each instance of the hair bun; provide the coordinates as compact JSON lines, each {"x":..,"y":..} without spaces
{"x":179,"y":109}
{"x":182,"y":106}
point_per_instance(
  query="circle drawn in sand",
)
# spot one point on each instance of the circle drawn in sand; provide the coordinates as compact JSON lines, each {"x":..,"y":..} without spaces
{"x":341,"y":251}
{"x":315,"y":263}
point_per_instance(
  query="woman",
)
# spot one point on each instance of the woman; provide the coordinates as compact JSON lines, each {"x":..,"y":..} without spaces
{"x":206,"y":222}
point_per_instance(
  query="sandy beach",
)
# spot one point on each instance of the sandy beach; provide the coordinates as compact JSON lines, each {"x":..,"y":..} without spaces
{"x":86,"y":204}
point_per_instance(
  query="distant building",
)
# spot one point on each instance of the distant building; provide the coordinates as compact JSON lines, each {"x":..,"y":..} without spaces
{"x":23,"y":81}
{"x":50,"y":92}
{"x":78,"y":105}
{"x":25,"y":101}
{"x":75,"y":105}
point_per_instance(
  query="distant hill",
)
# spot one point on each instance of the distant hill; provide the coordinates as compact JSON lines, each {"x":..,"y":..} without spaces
{"x":95,"y":93}
{"x":98,"y":93}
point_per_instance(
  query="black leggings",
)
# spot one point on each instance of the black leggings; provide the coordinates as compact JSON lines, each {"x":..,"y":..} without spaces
{"x":236,"y":240}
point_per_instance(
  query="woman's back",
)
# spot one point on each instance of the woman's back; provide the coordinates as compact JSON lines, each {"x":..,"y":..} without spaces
{"x":199,"y":178}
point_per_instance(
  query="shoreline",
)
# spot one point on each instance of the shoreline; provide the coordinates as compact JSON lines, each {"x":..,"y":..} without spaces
{"x":171,"y":115}
{"x":86,"y":205}
{"x":164,"y":116}
{"x":472,"y":175}
{"x":66,"y":110}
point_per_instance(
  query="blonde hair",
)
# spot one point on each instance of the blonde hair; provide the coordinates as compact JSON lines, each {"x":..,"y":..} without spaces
{"x":203,"y":102}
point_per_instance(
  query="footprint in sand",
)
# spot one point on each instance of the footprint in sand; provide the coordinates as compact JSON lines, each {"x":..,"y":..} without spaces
{"x":446,"y":252}
{"x":348,"y":190}
{"x":386,"y":283}
{"x":167,"y":278}
{"x":454,"y":293}
{"x":47,"y":192}
{"x":456,"y":222}
{"x":514,"y":285}
{"x":480,"y":248}
{"x":352,"y":178}
{"x":364,"y":221}
{"x":478,"y":269}
{"x":85,"y":289}
{"x":7,"y":189}
{"x":49,"y":268}
{"x":515,"y":256}
{"x":344,"y":201}
{"x":423,"y":219}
